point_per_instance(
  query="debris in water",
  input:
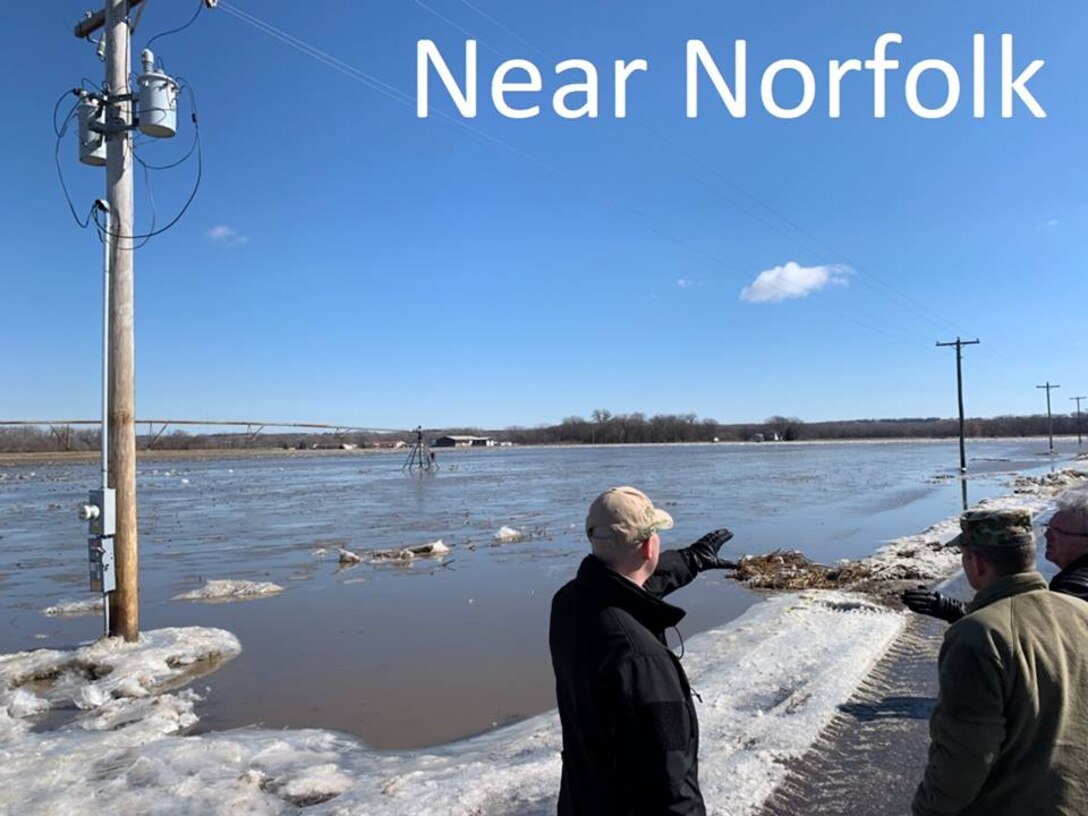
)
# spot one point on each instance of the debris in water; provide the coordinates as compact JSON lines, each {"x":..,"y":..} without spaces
{"x":435,"y":548}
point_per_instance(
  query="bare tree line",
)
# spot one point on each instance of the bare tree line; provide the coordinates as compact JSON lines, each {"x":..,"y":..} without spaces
{"x":602,"y":427}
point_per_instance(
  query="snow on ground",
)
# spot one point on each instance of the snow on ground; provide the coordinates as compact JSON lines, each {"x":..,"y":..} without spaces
{"x":769,"y":680}
{"x":226,"y":589}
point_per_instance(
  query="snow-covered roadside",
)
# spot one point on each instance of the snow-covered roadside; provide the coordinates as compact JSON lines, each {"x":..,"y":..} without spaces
{"x":769,"y":681}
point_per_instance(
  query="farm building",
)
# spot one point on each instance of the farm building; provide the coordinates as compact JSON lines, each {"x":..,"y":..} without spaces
{"x":463,"y":442}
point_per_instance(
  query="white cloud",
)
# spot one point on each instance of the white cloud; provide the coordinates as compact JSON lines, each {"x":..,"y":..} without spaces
{"x":684,"y":283}
{"x":228,"y":236}
{"x":792,"y":281}
{"x":1048,"y":226}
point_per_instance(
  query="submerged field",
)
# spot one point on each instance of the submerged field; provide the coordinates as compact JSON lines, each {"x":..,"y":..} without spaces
{"x":411,"y":652}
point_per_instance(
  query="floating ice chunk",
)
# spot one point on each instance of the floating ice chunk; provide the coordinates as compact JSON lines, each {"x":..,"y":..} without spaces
{"x":225,"y":590}
{"x":347,"y":556}
{"x":88,"y":606}
{"x":434,"y":548}
{"x":508,"y":535}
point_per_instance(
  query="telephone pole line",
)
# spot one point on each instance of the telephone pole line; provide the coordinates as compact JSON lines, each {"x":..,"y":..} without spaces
{"x":124,"y":602}
{"x":1078,"y":399}
{"x":1049,"y":417}
{"x":959,"y":344}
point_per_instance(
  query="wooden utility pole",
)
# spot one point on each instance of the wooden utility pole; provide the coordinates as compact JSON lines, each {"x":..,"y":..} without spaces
{"x":1049,"y":417}
{"x":959,"y":344}
{"x":124,"y":602}
{"x":1078,"y":399}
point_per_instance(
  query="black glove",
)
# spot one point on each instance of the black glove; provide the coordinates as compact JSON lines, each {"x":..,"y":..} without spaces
{"x":927,"y":602}
{"x":703,"y":554}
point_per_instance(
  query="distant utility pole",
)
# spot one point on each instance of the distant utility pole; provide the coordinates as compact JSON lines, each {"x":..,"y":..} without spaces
{"x":1078,"y":399}
{"x":124,"y":606}
{"x":1049,"y":418}
{"x":959,"y":344}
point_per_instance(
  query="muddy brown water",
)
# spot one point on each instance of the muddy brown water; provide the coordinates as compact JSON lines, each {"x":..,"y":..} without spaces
{"x":409,"y":655}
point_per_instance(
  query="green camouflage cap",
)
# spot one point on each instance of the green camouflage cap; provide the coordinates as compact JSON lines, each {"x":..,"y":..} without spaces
{"x":996,"y":528}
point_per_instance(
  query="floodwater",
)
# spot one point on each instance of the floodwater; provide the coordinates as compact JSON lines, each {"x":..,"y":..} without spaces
{"x":413,"y":654}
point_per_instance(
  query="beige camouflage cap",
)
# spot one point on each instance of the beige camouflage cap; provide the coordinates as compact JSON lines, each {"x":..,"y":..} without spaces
{"x":996,"y":528}
{"x":625,"y":516}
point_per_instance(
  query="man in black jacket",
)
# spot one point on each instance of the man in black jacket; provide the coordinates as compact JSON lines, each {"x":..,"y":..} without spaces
{"x":630,"y":733}
{"x":1066,"y":547}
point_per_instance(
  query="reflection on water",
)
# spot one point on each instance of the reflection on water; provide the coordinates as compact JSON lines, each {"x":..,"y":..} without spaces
{"x":413,"y":654}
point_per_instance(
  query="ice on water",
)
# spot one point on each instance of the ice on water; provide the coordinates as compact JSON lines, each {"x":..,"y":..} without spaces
{"x":225,"y":589}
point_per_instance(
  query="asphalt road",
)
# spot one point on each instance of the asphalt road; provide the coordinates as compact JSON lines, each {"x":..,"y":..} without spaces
{"x":869,"y":760}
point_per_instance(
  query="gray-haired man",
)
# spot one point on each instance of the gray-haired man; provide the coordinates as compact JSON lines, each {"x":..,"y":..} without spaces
{"x":1009,"y":734}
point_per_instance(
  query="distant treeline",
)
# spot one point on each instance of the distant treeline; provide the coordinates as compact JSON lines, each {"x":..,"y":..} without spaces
{"x":607,"y":428}
{"x":602,"y":428}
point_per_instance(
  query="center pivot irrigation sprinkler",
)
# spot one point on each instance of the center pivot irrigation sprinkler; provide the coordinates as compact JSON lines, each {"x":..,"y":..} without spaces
{"x":420,"y":457}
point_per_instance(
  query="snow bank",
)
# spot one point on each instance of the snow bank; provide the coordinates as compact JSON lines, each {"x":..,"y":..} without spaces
{"x":769,"y":680}
{"x":928,"y":555}
{"x":98,"y":676}
{"x":225,"y":590}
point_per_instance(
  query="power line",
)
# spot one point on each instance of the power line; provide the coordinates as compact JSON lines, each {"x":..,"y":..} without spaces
{"x":199,"y":8}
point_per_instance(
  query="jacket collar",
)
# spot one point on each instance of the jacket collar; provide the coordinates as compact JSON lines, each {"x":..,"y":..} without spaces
{"x":1006,"y":587}
{"x":615,"y":590}
{"x":1078,"y":564}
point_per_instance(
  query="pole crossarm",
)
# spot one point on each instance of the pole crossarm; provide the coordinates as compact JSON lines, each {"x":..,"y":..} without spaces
{"x":96,"y":19}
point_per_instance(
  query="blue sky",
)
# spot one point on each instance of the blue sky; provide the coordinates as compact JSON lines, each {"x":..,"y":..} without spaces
{"x":345,"y":261}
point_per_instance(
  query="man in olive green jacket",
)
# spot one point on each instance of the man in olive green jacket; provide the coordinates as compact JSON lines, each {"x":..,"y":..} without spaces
{"x":1010,"y":729}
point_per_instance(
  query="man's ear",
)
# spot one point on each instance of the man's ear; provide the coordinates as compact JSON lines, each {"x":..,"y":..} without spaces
{"x":982,"y":567}
{"x":646,"y":548}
